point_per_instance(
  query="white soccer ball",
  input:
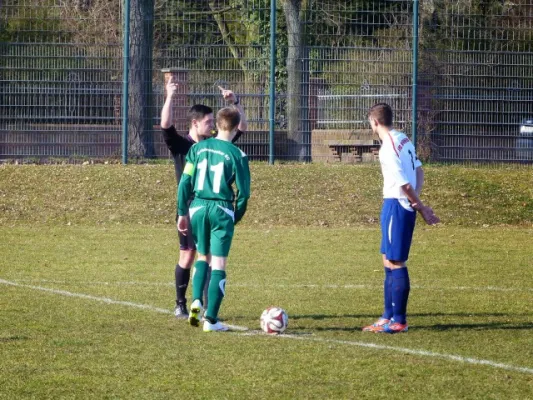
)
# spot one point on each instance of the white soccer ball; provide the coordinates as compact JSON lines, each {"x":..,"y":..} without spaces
{"x":274,"y":320}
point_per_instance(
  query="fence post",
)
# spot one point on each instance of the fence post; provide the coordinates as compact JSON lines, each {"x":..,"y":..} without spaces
{"x":272,"y":108}
{"x":415,"y":74}
{"x":125,"y":80}
{"x":306,"y":126}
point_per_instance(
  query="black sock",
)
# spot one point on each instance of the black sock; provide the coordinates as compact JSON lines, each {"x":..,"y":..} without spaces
{"x":182,"y":282}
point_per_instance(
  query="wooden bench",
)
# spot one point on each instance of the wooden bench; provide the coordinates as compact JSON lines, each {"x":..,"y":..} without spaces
{"x":344,"y":145}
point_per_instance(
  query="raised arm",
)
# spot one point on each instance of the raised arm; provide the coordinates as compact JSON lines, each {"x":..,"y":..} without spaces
{"x":233,"y":99}
{"x":166,"y":112}
{"x":176,"y":143}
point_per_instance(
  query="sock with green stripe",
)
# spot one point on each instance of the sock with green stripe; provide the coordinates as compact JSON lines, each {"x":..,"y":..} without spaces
{"x":217,"y":290}
{"x":198,"y":280}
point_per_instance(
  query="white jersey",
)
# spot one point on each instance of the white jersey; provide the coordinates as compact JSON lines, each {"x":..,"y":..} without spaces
{"x":398,"y":165}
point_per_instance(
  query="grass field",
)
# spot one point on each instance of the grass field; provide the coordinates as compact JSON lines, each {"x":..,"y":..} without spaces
{"x":86,"y":292}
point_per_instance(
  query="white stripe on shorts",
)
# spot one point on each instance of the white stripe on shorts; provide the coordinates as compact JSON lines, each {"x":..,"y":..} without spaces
{"x":228,"y":211}
{"x":390,"y":229}
{"x":193,"y":210}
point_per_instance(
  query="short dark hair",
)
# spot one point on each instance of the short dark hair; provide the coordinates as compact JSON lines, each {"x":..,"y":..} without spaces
{"x":228,"y":118}
{"x":382,"y":113}
{"x":198,"y":112}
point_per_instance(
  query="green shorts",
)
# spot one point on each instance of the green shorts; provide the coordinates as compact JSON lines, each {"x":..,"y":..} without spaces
{"x":212,"y":226}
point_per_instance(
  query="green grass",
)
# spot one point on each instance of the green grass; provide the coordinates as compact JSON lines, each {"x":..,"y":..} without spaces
{"x":309,"y":244}
{"x":282,"y":195}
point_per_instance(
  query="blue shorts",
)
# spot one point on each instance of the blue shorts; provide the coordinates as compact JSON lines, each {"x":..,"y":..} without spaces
{"x":397,"y":227}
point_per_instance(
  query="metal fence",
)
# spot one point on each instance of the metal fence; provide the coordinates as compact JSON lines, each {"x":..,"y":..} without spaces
{"x":62,"y":77}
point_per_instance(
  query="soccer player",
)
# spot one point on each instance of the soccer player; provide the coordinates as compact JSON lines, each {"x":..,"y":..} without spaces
{"x":212,"y":168}
{"x":402,"y":182}
{"x":201,"y":124}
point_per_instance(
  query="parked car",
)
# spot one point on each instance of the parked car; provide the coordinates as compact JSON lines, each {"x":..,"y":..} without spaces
{"x":524,"y":141}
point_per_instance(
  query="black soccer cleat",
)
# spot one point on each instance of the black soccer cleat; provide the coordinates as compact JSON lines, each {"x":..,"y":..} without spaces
{"x":180,"y":312}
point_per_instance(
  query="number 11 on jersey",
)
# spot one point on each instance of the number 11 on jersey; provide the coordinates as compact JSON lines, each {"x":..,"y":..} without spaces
{"x":217,"y":169}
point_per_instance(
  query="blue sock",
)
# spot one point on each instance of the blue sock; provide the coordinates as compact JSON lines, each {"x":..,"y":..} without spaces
{"x":400,"y":293}
{"x":387,"y":294}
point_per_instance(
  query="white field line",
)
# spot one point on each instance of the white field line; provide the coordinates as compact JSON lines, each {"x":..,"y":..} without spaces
{"x":280,"y":285}
{"x":423,"y":353}
{"x":105,"y":300}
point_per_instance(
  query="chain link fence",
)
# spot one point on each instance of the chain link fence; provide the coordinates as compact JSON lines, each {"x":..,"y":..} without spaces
{"x":62,"y":76}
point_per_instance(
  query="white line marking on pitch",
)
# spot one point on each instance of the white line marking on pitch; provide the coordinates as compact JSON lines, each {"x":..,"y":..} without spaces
{"x":288,"y":286}
{"x":424,"y":353}
{"x":467,"y":360}
{"x":95,"y":283}
{"x":104,"y":300}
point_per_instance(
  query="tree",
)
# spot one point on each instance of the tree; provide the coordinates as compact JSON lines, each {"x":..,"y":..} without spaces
{"x":98,"y":22}
{"x":292,"y":10}
{"x":140,"y":124}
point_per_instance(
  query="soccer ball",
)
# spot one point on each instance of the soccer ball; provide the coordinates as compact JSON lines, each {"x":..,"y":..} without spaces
{"x":274,"y":320}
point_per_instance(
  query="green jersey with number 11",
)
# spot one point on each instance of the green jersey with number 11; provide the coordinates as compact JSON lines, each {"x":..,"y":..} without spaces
{"x":212,"y":167}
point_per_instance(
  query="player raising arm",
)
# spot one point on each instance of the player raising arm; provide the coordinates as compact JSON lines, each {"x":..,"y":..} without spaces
{"x":212,"y":168}
{"x":402,"y":183}
{"x":201,"y":124}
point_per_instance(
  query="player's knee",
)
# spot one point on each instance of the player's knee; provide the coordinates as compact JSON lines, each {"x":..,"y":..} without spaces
{"x":395,"y":264}
{"x":203,"y":257}
{"x":218,"y":263}
{"x":186,"y":258}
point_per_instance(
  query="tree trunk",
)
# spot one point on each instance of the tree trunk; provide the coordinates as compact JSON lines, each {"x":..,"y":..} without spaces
{"x":291,"y":10}
{"x":140,"y":126}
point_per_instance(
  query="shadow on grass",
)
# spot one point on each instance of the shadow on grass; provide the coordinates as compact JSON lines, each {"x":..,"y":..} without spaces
{"x":436,"y":328}
{"x":329,"y":316}
{"x":477,"y":326}
{"x":428,"y":327}
{"x":13,"y":339}
{"x":438,"y":314}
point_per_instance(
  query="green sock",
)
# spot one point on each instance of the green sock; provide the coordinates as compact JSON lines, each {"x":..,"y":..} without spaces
{"x":216,"y":291}
{"x":198,"y":280}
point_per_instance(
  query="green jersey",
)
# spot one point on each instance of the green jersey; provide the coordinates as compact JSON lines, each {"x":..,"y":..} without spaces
{"x":212,"y":167}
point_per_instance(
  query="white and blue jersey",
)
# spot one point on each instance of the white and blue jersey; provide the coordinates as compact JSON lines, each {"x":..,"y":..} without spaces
{"x":399,"y":162}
